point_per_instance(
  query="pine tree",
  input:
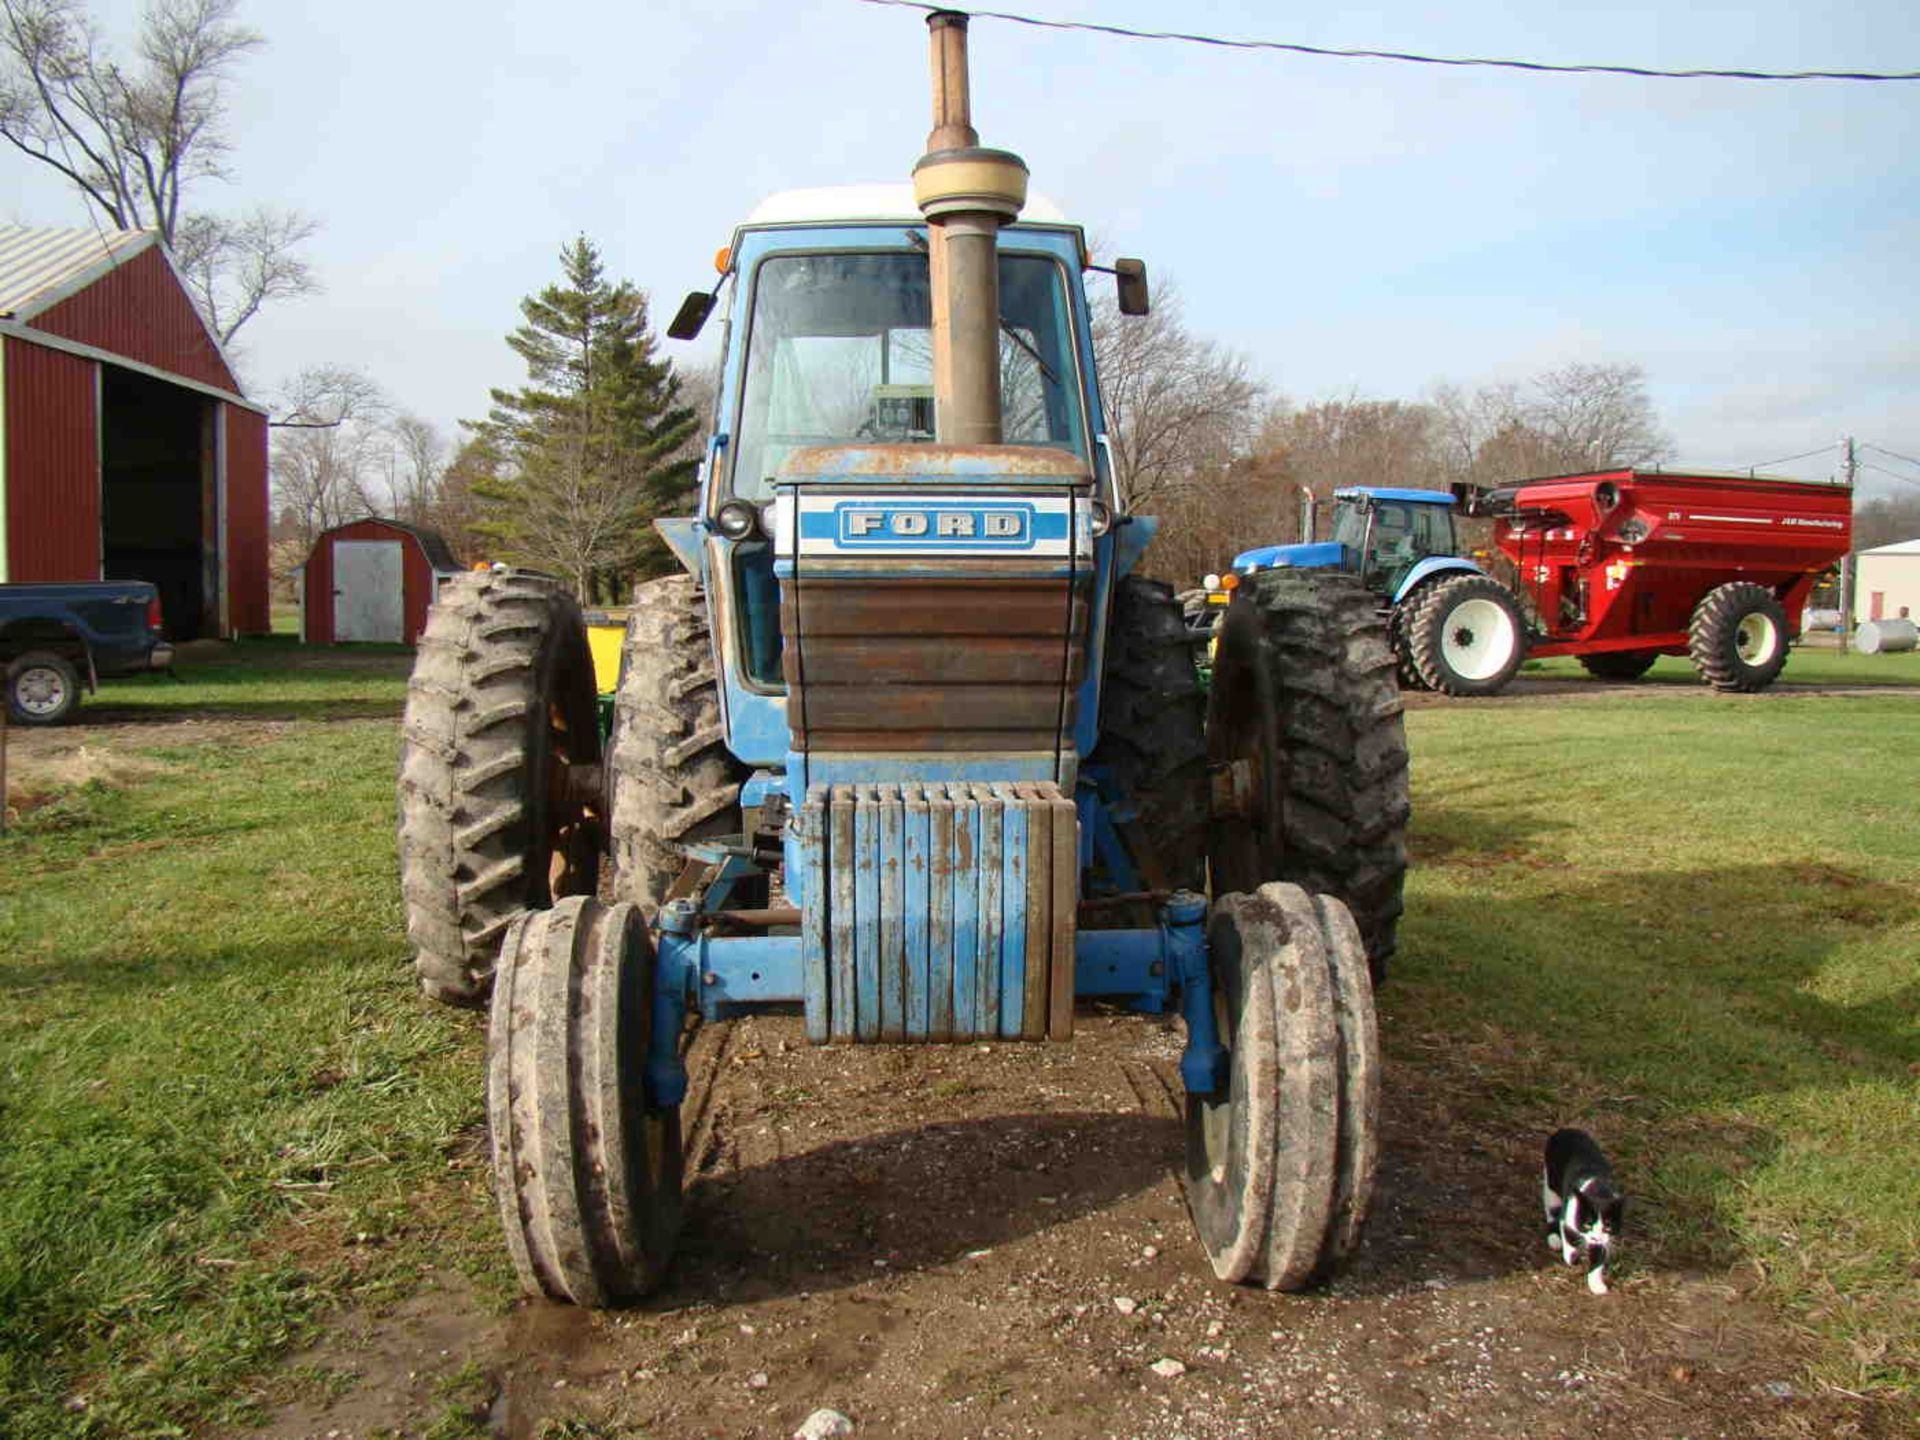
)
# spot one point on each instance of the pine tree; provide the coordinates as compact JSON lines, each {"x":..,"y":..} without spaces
{"x":594,"y":446}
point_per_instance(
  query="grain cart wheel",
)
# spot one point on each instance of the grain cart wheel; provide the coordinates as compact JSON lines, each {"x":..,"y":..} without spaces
{"x":42,"y":688}
{"x":1466,"y":636}
{"x":1279,"y":1168}
{"x":1153,"y":734}
{"x":674,"y":780}
{"x":586,"y":1173}
{"x":1308,"y":750}
{"x":1619,"y":664}
{"x":1738,"y":637}
{"x":500,"y":712}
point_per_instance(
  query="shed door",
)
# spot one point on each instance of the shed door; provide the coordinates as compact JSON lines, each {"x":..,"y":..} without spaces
{"x":367,"y":599}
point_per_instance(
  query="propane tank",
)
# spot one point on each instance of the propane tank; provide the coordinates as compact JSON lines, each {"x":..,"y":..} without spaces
{"x":1876,"y":637}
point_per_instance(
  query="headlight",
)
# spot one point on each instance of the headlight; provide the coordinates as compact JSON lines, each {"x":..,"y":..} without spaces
{"x":1100,"y":517}
{"x":735,"y":520}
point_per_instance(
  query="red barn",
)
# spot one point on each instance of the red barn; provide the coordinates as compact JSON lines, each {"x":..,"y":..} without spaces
{"x":371,"y":579}
{"x":127,"y":451}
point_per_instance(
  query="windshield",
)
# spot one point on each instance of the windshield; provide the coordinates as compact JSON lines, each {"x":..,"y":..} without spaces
{"x":840,"y":352}
{"x":1349,"y":525}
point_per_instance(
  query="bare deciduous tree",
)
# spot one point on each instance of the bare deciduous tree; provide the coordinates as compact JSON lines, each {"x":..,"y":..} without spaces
{"x":133,"y":136}
{"x":418,"y":459}
{"x":328,"y":452}
{"x":1176,"y":405}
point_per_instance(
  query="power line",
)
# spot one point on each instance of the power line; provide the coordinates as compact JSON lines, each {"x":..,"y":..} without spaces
{"x":1894,"y":454}
{"x":1786,"y":459}
{"x":1890,"y":474}
{"x":1539,"y":67}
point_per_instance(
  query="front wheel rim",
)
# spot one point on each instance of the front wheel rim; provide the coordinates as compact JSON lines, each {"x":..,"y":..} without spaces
{"x":40,"y":691}
{"x":1478,"y":639}
{"x":1756,"y":640}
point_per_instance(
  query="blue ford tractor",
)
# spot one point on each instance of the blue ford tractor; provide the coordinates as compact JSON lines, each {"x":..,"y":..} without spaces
{"x":912,"y":749}
{"x":1454,"y":627}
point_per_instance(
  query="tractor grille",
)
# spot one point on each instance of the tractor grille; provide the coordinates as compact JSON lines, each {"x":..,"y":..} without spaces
{"x":945,"y":912}
{"x":933,"y":664}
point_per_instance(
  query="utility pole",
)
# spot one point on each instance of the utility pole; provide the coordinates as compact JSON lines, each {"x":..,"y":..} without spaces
{"x":1849,"y":467}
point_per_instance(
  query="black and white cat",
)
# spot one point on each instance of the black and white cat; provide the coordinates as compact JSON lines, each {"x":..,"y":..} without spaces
{"x":1583,"y":1206}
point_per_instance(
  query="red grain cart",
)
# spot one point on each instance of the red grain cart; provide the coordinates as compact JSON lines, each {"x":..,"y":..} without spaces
{"x":1623,"y":566}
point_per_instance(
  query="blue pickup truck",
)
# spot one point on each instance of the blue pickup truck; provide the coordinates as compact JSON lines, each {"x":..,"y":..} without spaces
{"x":59,"y":640}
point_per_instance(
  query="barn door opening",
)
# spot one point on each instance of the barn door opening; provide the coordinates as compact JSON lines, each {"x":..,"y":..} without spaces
{"x":158,"y":511}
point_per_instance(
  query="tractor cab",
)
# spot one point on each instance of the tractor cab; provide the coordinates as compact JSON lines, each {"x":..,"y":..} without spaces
{"x":824,"y":466}
{"x":1381,"y":535}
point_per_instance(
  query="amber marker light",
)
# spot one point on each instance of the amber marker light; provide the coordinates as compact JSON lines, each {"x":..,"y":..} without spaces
{"x":723,"y":259}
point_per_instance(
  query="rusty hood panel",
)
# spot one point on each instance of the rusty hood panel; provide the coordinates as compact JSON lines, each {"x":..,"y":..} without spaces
{"x":960,"y":465}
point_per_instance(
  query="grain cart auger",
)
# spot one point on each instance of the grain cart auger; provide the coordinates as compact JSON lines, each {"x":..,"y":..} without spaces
{"x":910,"y":678}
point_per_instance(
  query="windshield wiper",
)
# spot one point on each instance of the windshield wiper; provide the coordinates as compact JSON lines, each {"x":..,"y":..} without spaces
{"x":919,"y":242}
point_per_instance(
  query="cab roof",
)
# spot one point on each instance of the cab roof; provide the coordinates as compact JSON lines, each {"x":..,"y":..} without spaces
{"x":1413,"y":497}
{"x":887,"y":200}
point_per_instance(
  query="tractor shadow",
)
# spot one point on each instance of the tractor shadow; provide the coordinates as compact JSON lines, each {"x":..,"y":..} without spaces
{"x":909,"y":1199}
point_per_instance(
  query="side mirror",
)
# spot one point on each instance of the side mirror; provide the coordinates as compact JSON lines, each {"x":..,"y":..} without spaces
{"x":693,"y":314}
{"x":1130,"y":277}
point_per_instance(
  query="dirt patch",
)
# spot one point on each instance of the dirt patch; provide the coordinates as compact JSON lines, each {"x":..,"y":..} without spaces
{"x":990,"y":1241}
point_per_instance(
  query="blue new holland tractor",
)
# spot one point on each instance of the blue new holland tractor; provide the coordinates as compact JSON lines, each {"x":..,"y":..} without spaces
{"x":1454,"y":628}
{"x":910,"y":748}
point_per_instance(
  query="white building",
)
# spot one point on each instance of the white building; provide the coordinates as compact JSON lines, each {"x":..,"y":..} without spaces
{"x":1886,"y":582}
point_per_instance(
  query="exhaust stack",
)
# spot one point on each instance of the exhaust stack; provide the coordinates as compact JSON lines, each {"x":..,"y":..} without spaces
{"x":967,"y":193}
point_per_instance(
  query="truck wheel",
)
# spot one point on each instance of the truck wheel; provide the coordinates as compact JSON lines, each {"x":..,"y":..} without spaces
{"x":586,"y":1173}
{"x":1153,"y":735}
{"x":1308,"y":750}
{"x":1619,"y":664}
{"x":1279,"y":1164}
{"x":674,"y":780}
{"x":1738,"y":637}
{"x":1466,"y":637}
{"x":42,"y":688}
{"x":500,"y":711}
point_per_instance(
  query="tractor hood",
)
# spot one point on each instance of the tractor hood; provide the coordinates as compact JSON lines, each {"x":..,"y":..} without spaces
{"x":1323,"y":555}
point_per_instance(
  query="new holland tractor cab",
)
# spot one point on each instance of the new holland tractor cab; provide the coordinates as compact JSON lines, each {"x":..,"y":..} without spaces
{"x":1454,"y":627}
{"x":910,"y":749}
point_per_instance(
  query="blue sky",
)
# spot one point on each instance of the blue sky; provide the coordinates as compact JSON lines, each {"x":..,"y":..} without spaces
{"x":1350,"y":225}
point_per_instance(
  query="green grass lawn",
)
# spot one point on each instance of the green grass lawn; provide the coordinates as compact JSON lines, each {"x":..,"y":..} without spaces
{"x":1809,"y":664}
{"x":1688,"y":921}
{"x":1698,"y":927}
{"x":225,"y":1108}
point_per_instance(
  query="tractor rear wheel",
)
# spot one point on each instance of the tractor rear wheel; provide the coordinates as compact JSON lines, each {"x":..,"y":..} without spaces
{"x":1153,"y":735}
{"x":1397,"y":620}
{"x":1309,"y":751}
{"x":1279,"y":1167}
{"x":674,"y":780}
{"x":1619,"y":664}
{"x":1738,"y":637}
{"x":499,"y":736}
{"x":587,"y":1174}
{"x":1466,"y":636}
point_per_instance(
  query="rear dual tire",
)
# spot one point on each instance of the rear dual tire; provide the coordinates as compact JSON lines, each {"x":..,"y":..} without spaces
{"x":500,"y":704}
{"x":1308,"y":745}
